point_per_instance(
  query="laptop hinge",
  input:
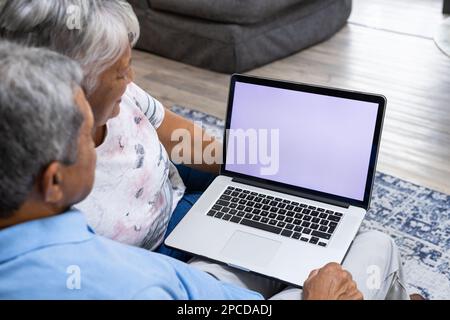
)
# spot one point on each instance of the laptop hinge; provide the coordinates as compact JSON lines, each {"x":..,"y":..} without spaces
{"x":292,"y":192}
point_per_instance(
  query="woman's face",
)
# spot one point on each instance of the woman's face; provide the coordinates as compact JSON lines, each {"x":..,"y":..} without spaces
{"x":105,"y":100}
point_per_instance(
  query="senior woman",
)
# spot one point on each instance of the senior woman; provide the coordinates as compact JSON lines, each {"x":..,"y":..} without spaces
{"x":139,"y":195}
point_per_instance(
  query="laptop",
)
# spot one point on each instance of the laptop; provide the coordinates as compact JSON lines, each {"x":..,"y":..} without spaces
{"x":296,"y":182}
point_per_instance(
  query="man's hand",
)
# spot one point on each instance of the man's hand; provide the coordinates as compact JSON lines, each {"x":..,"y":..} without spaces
{"x":331,"y":282}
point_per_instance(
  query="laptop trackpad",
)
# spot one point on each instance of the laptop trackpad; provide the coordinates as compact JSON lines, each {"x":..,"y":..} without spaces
{"x":250,"y":249}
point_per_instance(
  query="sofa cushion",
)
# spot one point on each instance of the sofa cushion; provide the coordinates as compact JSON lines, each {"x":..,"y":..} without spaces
{"x":230,"y":11}
{"x":232,"y":48}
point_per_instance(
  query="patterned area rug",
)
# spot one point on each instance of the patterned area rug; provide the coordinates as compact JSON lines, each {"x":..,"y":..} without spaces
{"x":416,"y":217}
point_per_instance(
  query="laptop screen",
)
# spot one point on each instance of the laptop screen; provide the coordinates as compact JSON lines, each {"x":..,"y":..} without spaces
{"x":308,"y":140}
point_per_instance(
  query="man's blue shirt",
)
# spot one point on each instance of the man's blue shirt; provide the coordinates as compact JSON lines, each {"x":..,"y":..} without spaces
{"x":60,"y":257}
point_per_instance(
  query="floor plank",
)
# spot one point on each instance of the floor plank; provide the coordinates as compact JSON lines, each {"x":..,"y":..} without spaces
{"x":409,"y":70}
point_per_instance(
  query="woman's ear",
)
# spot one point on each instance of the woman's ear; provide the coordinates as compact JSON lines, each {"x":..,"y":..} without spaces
{"x":51,"y":183}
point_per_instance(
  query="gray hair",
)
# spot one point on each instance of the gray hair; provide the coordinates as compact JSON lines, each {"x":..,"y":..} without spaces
{"x":39,"y":118}
{"x":94,"y":33}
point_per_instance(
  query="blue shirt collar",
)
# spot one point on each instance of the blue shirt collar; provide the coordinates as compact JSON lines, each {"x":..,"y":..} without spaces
{"x":68,"y":227}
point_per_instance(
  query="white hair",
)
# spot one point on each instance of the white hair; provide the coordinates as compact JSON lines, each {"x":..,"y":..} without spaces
{"x":94,"y":33}
{"x":39,"y":117}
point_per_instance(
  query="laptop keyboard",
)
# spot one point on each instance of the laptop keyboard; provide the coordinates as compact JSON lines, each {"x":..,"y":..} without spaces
{"x":290,"y":219}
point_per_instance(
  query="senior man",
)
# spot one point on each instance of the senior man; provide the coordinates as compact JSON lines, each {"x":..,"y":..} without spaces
{"x":47,"y":165}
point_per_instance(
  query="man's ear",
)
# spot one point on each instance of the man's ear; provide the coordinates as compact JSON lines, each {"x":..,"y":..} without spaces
{"x":51,"y":183}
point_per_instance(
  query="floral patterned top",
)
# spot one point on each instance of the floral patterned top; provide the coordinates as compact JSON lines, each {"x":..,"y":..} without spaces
{"x":136,"y":186}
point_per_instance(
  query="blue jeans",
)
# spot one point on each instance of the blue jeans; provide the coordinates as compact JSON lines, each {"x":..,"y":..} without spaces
{"x":196,"y":183}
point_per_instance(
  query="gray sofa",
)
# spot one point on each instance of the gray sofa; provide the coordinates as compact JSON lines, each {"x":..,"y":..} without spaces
{"x":235,"y":35}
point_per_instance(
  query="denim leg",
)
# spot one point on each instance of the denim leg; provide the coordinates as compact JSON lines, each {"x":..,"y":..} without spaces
{"x":184,"y":205}
{"x":195,"y":180}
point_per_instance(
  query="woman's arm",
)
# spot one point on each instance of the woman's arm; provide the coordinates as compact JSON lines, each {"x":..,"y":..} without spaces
{"x":188,"y":143}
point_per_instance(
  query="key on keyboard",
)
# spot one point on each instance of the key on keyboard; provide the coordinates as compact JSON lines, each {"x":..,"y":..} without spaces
{"x":297,"y":221}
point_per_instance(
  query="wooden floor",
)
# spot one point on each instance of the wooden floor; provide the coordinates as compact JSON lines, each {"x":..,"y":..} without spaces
{"x":389,"y":52}
{"x":413,"y":17}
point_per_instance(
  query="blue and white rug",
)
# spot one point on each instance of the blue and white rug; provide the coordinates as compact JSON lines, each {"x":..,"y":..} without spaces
{"x":416,"y":217}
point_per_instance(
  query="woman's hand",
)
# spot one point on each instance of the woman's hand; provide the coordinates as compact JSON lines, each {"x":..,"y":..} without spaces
{"x":331,"y":282}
